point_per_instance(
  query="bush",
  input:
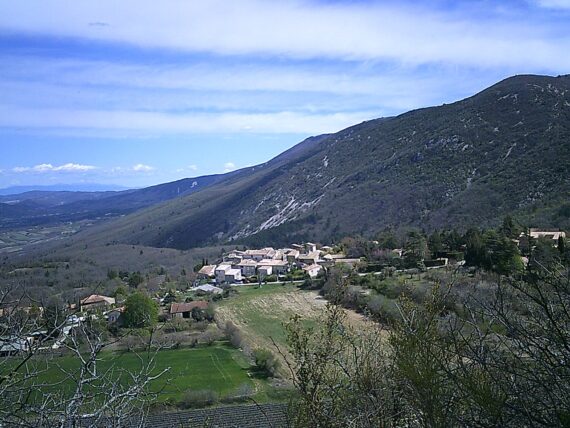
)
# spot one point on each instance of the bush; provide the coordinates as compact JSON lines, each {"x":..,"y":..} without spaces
{"x":210,"y":336}
{"x":177,"y":324}
{"x":195,"y":399}
{"x":243,"y":393}
{"x":265,"y":362}
{"x":233,"y":334}
{"x":383,"y":309}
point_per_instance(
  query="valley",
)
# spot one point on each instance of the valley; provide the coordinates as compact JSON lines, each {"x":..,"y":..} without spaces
{"x":436,"y":235}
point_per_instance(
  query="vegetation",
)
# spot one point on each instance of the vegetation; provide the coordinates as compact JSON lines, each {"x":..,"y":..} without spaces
{"x":462,"y":164}
{"x":486,"y":350}
{"x":265,"y":362}
{"x":140,"y":311}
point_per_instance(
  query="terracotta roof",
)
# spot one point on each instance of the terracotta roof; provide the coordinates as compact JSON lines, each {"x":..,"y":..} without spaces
{"x":178,"y":308}
{"x":208,"y":270}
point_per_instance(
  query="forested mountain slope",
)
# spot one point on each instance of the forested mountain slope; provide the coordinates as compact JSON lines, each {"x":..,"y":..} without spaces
{"x":503,"y":150}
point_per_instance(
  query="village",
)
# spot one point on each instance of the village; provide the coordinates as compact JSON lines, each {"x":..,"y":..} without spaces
{"x":236,"y":268}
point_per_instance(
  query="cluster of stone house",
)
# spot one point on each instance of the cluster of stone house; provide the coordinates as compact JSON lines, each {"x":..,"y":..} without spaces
{"x":264,"y":262}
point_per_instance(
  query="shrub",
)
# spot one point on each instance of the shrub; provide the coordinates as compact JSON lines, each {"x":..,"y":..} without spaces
{"x":383,"y":309}
{"x":233,"y":334}
{"x":265,"y":361}
{"x":243,"y":393}
{"x":195,"y":399}
{"x":177,"y":324}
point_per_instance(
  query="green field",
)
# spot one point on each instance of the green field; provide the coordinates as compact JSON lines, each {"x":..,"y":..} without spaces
{"x":219,"y":368}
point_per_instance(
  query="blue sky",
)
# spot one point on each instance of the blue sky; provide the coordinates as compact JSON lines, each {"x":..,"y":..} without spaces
{"x":141,"y":92}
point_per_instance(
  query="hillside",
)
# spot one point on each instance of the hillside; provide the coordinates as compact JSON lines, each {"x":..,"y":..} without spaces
{"x":503,"y":150}
{"x":50,"y":207}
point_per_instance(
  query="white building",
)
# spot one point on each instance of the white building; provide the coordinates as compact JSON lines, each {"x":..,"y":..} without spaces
{"x":310,"y":247}
{"x":312,"y":270}
{"x":278,"y":266}
{"x":233,"y":276}
{"x":248,"y":267}
{"x":221,"y":273}
{"x":258,"y":255}
{"x":264,"y":271}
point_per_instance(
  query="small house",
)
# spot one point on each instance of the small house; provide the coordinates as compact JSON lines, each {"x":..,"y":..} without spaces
{"x":248,"y":267}
{"x":184,"y":310}
{"x":233,"y":276}
{"x":221,"y":273}
{"x":309,"y":258}
{"x":313,"y":270}
{"x":12,"y":345}
{"x":278,"y":266}
{"x":207,"y":272}
{"x":291,"y":256}
{"x":264,"y":271}
{"x":208,"y":289}
{"x":96,"y":302}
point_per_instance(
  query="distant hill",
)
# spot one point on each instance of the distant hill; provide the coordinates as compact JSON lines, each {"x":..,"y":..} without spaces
{"x":503,"y":150}
{"x":81,"y":187}
{"x":36,"y":208}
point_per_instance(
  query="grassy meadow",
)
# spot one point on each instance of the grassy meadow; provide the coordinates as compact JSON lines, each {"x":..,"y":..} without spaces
{"x":219,"y":368}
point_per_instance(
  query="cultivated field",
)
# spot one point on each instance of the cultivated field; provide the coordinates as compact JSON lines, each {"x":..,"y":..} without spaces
{"x":260,"y":313}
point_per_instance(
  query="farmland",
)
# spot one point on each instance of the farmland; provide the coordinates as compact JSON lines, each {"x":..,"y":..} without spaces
{"x":261,"y":312}
{"x":218,"y":368}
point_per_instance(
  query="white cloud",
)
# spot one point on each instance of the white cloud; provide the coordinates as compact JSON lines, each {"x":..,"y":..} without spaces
{"x":48,"y":167}
{"x":280,"y":122}
{"x":142,"y":168}
{"x":229,"y":166}
{"x":74,"y":167}
{"x":409,"y":33}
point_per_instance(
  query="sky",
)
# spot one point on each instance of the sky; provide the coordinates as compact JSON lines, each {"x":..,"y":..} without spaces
{"x":140,"y":92}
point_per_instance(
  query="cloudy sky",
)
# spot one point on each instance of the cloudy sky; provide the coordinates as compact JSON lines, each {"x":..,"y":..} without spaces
{"x":137,"y":92}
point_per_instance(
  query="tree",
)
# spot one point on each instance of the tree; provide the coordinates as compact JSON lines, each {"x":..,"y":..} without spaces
{"x":435,"y":244}
{"x":140,"y":311}
{"x":475,"y":248}
{"x":502,"y":361}
{"x":343,"y":375}
{"x":387,"y":240}
{"x":509,"y":228}
{"x":415,"y":250}
{"x":502,"y":255}
{"x":36,"y":390}
{"x":135,"y":279}
{"x":54,"y":316}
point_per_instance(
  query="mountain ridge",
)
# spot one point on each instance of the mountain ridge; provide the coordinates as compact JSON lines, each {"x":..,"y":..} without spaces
{"x":501,"y":151}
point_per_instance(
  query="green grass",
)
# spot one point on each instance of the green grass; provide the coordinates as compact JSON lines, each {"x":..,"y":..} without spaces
{"x":219,"y":368}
